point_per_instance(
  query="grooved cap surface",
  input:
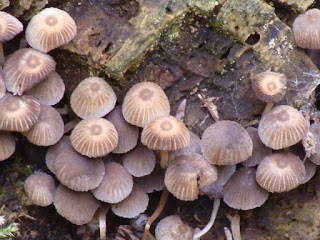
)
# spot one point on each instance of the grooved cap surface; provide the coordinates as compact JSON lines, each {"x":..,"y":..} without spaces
{"x":9,"y":26}
{"x":7,"y":145}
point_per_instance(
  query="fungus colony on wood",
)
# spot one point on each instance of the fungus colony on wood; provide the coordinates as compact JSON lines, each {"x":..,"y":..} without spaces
{"x":88,"y":179}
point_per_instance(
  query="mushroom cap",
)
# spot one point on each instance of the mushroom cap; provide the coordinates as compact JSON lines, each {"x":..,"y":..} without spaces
{"x":139,"y":161}
{"x":280,"y":172}
{"x":165,"y":133}
{"x":76,"y":207}
{"x":315,"y":130}
{"x":242,"y":191}
{"x":136,"y":203}
{"x":311,"y":169}
{"x":18,"y":113}
{"x":93,"y":98}
{"x":94,"y":137}
{"x":50,"y":91}
{"x":25,"y":68}
{"x":226,"y":143}
{"x":144,"y":102}
{"x":186,"y":174}
{"x":269,"y":86}
{"x":7,"y":145}
{"x":282,"y":127}
{"x":306,"y":29}
{"x":78,"y":172}
{"x":40,"y":188}
{"x":172,"y":228}
{"x":128,"y":134}
{"x":49,"y":128}
{"x":9,"y":26}
{"x":116,"y":185}
{"x":49,"y":29}
{"x":152,"y":182}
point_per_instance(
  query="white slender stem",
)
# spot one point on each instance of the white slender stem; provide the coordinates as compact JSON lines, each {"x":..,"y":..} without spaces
{"x":227,"y":233}
{"x":103,"y":222}
{"x":235,"y":226}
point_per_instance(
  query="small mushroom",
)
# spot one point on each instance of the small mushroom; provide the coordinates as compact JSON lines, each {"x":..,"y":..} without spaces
{"x":7,"y":145}
{"x":152,"y":182}
{"x":311,"y":169}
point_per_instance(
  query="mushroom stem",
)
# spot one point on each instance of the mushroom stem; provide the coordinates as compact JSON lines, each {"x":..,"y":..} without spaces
{"x":164,"y":159}
{"x":70,"y":125}
{"x":62,"y":111}
{"x":103,"y":222}
{"x":1,"y":55}
{"x":235,"y":226}
{"x":227,"y":233}
{"x":155,"y":215}
{"x":267,"y":108}
{"x":151,"y":236}
{"x":216,"y":205}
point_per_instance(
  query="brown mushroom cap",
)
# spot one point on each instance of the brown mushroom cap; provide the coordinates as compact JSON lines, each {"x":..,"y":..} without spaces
{"x":18,"y":113}
{"x":173,"y":228}
{"x":144,"y":102}
{"x":165,"y":133}
{"x":116,"y":185}
{"x":94,"y":137}
{"x":269,"y":86}
{"x":306,"y":29}
{"x":282,"y":127}
{"x":40,"y":188}
{"x":280,"y":172}
{"x":9,"y":26}
{"x":226,"y":143}
{"x":78,"y":172}
{"x":25,"y":68}
{"x":76,"y":207}
{"x":93,"y":98}
{"x":136,"y":203}
{"x":49,"y":128}
{"x":7,"y":145}
{"x":186,"y":174}
{"x":49,"y":29}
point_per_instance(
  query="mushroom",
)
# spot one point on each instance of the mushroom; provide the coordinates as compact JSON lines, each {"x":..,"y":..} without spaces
{"x":152,"y":182}
{"x":7,"y":145}
{"x":315,"y":130}
{"x":311,"y":169}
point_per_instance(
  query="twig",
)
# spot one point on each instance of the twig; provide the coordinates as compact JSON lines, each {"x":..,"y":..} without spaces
{"x":209,"y":103}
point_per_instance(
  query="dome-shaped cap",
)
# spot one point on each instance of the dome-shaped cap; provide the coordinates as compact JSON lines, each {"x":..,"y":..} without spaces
{"x":78,"y":172}
{"x":18,"y":113}
{"x":93,"y":98}
{"x":40,"y":188}
{"x":165,"y":133}
{"x":173,"y":228}
{"x":269,"y":86}
{"x":9,"y":26}
{"x":77,"y":207}
{"x":7,"y":145}
{"x":49,"y":128}
{"x":306,"y":29}
{"x":311,"y":169}
{"x":94,"y":137}
{"x":242,"y":191}
{"x":186,"y":174}
{"x":116,"y":185}
{"x":25,"y":68}
{"x":152,"y":182}
{"x":50,"y":91}
{"x":282,"y":127}
{"x":280,"y":172}
{"x":49,"y":29}
{"x":3,"y":89}
{"x":136,"y":203}
{"x":144,"y":102}
{"x":128,"y":134}
{"x":226,"y":143}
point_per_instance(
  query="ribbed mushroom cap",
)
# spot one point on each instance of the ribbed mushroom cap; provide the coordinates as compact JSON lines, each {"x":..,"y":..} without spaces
{"x":280,"y":172}
{"x":139,"y":161}
{"x":165,"y":133}
{"x":93,"y":98}
{"x":9,"y":26}
{"x":282,"y":127}
{"x":116,"y":185}
{"x":49,"y":128}
{"x":76,"y":207}
{"x":152,"y":182}
{"x":186,"y":174}
{"x":128,"y":134}
{"x":18,"y":113}
{"x":78,"y":172}
{"x":173,"y":228}
{"x":311,"y":169}
{"x":242,"y":191}
{"x":226,"y":143}
{"x":25,"y":68}
{"x":306,"y":29}
{"x":3,"y":89}
{"x":49,"y":29}
{"x":50,"y":91}
{"x":136,"y":203}
{"x":259,"y":150}
{"x":40,"y":188}
{"x":7,"y":145}
{"x":315,"y":130}
{"x":94,"y":137}
{"x":144,"y":102}
{"x":269,"y":86}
